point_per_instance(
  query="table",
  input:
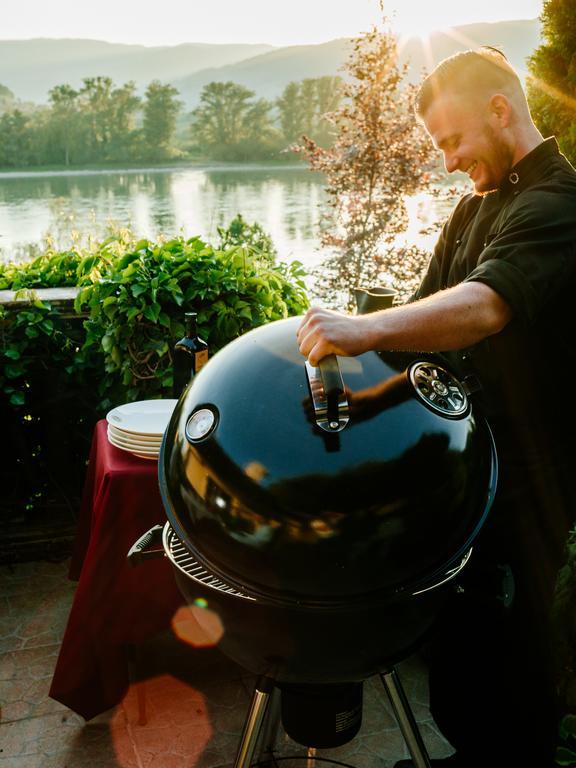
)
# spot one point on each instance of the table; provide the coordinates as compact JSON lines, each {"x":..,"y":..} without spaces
{"x":115,"y":606}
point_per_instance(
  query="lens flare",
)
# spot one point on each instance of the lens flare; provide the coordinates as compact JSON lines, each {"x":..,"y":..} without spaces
{"x":197,"y":625}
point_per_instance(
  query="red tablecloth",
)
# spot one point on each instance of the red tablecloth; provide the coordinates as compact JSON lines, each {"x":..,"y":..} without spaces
{"x":115,"y":605}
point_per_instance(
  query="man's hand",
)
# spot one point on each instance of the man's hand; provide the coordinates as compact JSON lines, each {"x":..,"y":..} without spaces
{"x":324,"y":332}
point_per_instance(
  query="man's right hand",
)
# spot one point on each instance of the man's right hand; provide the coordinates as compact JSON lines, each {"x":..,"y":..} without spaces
{"x":325,"y":332}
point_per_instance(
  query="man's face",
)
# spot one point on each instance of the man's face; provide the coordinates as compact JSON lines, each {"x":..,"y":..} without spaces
{"x":470,"y":140}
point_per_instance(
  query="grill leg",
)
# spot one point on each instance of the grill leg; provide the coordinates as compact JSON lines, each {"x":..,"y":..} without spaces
{"x":252,"y":726}
{"x":271,"y":726}
{"x":405,"y":718}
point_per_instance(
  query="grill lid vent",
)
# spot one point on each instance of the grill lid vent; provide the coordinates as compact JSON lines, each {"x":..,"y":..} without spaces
{"x":438,"y":389}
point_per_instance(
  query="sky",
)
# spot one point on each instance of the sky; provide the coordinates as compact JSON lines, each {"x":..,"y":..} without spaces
{"x":297,"y":22}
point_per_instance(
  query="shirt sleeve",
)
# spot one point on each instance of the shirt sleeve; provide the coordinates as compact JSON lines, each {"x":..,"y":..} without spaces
{"x":532,"y":255}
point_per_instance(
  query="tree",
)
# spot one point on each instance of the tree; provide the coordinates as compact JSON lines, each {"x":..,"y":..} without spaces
{"x":552,"y":81}
{"x":378,"y":158}
{"x":64,"y":124}
{"x":16,"y":140}
{"x":161,"y":109}
{"x":109,"y":116}
{"x":289,"y":112}
{"x":7,"y":98}
{"x":303,"y":105}
{"x":228,"y":124}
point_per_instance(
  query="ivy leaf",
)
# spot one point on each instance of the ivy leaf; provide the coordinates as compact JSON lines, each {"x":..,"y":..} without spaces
{"x":13,"y":370}
{"x":17,"y":398}
{"x":152,"y":311}
{"x":107,"y":343}
{"x":565,"y":757}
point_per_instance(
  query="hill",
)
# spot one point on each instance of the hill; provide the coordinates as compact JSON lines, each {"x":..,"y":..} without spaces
{"x":30,"y":68}
{"x":268,"y":73}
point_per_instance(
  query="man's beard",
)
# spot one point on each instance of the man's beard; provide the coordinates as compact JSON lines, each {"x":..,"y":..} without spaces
{"x":502,"y":156}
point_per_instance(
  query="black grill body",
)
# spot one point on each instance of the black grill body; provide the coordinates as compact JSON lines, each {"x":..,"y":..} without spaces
{"x":324,"y":554}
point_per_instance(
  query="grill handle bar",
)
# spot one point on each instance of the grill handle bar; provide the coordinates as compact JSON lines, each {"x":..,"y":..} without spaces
{"x":328,"y":394}
{"x":331,"y":377}
{"x":140,"y":550}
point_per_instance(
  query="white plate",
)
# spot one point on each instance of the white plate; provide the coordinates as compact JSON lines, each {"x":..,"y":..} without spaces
{"x":150,"y":456}
{"x":144,"y":417}
{"x":133,"y":441}
{"x":132,"y":448}
{"x":144,"y":456}
{"x":124,"y":434}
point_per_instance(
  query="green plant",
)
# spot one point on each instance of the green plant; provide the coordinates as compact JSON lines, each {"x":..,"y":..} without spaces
{"x":566,"y":752}
{"x":136,"y":309}
{"x":26,"y":335}
{"x":253,"y":236}
{"x":552,"y":76}
{"x":134,"y":295}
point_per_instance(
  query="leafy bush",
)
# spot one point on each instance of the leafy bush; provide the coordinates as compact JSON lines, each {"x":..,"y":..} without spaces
{"x":134,"y":295}
{"x":136,"y":309}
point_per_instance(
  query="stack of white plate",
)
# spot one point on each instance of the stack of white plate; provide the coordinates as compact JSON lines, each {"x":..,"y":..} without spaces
{"x":139,"y":427}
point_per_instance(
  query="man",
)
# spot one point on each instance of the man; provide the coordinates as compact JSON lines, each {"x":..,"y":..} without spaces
{"x":496,"y":298}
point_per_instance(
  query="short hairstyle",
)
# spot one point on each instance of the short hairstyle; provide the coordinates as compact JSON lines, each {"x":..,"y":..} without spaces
{"x":467,"y":73}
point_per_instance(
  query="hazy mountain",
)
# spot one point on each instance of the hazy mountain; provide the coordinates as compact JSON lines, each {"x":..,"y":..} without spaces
{"x":31,"y":67}
{"x":269,"y":73}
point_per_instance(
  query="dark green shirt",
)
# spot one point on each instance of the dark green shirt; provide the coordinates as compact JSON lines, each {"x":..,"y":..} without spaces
{"x":521,"y":241}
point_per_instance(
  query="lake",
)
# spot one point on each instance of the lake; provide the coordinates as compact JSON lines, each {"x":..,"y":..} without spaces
{"x":68,"y":206}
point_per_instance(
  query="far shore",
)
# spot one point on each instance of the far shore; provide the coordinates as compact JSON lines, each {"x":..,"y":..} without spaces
{"x":113,"y":168}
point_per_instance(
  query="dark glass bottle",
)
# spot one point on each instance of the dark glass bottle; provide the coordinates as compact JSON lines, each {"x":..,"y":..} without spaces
{"x":190,"y":354}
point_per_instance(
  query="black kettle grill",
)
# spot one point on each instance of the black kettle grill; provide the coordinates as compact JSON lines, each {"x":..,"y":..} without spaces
{"x":323,"y":514}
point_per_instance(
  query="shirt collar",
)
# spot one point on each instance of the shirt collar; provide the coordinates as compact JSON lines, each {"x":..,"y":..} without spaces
{"x":530,"y":167}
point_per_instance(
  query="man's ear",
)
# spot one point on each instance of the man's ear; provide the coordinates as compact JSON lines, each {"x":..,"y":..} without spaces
{"x":500,"y":109}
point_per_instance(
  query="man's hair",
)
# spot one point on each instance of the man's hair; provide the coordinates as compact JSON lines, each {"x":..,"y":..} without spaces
{"x":467,"y":74}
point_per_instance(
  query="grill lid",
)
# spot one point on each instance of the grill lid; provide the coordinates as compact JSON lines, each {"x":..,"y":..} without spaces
{"x":265,"y":498}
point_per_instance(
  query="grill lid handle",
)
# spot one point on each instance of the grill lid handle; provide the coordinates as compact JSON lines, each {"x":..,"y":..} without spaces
{"x":331,"y":411}
{"x":331,"y":377}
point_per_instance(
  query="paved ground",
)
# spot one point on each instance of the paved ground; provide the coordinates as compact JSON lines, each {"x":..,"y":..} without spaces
{"x":195,"y":699}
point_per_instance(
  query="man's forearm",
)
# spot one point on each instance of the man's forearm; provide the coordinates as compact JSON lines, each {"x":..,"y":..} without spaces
{"x":452,"y":319}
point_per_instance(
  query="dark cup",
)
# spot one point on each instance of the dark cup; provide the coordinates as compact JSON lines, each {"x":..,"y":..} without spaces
{"x":373,"y":299}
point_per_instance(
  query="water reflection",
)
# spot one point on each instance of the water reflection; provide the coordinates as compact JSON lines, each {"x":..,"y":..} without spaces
{"x":287,"y":201}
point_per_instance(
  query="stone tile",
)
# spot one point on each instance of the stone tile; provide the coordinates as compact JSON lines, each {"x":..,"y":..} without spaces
{"x":4,"y":608}
{"x":33,"y":663}
{"x":54,"y":603}
{"x":28,"y":761}
{"x":26,"y":695}
{"x":56,"y":741}
{"x":178,"y":722}
{"x":19,"y":580}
